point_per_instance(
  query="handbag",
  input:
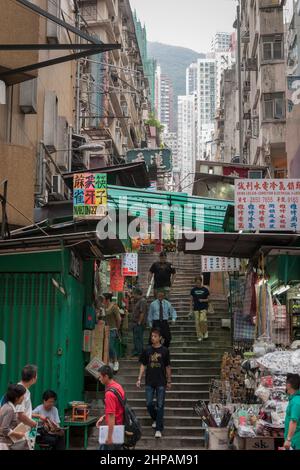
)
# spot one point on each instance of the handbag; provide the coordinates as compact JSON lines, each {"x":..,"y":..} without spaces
{"x":49,"y":427}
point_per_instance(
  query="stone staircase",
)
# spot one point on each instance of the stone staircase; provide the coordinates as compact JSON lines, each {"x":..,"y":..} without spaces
{"x":194,"y":364}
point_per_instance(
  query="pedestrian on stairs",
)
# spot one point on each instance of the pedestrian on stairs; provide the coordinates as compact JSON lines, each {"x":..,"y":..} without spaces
{"x":139,"y":321}
{"x":113,"y":320}
{"x":114,"y":412}
{"x":164,"y":275}
{"x":199,"y":306}
{"x":160,"y":312}
{"x":155,"y":360}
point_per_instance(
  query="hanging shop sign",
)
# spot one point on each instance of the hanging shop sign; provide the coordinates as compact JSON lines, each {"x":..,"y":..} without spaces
{"x":130,"y":264}
{"x":155,"y":159}
{"x":89,"y":195}
{"x":268,"y":205}
{"x":213,"y":264}
{"x":116,"y":277}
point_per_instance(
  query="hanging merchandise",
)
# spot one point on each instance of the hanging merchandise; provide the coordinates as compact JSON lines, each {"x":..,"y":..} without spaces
{"x":116,"y":278}
{"x":87,"y":341}
{"x":265,"y":313}
{"x":249,"y":304}
{"x":130,"y":264}
{"x":244,"y":330}
{"x":89,"y":318}
{"x":281,"y":333}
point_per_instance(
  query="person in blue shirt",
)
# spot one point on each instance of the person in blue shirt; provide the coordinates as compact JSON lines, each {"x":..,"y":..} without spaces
{"x":160,"y":312}
{"x":292,"y":419}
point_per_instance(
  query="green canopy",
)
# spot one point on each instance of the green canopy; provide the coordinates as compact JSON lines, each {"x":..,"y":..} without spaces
{"x":192,"y":212}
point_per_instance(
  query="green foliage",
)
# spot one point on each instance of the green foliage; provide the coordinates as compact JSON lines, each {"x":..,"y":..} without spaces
{"x":153,"y":122}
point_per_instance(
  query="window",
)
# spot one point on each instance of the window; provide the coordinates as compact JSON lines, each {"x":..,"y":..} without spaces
{"x":273,"y":47}
{"x":274,"y":106}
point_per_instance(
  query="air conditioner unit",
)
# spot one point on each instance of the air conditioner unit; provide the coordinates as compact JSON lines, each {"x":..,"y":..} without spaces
{"x":52,"y":32}
{"x":28,"y":96}
{"x":50,"y":121}
{"x":63,"y":144}
{"x":57,"y":188}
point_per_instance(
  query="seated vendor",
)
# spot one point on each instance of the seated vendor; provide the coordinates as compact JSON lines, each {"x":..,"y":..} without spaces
{"x":48,"y":410}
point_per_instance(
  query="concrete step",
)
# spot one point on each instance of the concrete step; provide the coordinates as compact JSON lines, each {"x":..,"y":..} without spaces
{"x":187,"y":380}
{"x":181,"y":362}
{"x":177,"y":387}
{"x":200,"y":369}
{"x":171,"y":442}
{"x":172,"y":421}
{"x":170,"y":410}
{"x":181,"y":395}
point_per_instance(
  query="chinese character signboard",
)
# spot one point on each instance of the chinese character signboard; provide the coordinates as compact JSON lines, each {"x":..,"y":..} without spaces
{"x":89,"y":195}
{"x":116,"y":277}
{"x":130,"y":264}
{"x":214,"y":264}
{"x":267,"y":205}
{"x":155,"y":159}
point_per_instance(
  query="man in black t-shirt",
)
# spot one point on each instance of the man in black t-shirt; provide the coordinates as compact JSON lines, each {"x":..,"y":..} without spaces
{"x":155,"y":360}
{"x":164,"y":275}
{"x":199,"y":305}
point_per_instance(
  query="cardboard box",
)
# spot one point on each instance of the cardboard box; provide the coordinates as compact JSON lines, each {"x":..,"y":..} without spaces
{"x":255,"y":443}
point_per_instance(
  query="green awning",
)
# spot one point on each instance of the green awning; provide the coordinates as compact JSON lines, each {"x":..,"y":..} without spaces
{"x":199,"y":213}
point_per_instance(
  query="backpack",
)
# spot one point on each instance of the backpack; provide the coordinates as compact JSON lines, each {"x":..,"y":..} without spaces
{"x":133,"y":430}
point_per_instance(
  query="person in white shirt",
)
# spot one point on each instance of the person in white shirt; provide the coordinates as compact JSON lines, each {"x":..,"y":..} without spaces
{"x":24,"y":410}
{"x":48,"y":410}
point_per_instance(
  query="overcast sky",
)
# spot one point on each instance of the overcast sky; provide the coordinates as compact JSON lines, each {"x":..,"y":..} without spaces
{"x":187,"y":23}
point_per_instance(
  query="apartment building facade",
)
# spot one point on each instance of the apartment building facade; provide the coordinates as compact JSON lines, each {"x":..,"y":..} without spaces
{"x":187,"y":119}
{"x":164,"y":100}
{"x":293,"y":92}
{"x":264,"y":85}
{"x":115,"y":92}
{"x":206,"y":102}
{"x":37,"y":113}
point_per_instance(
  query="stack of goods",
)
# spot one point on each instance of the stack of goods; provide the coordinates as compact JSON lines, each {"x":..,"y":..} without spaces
{"x":244,"y":420}
{"x":213,"y":416}
{"x":231,"y":371}
{"x":219,"y":391}
{"x":281,"y":362}
{"x":271,"y":392}
{"x":252,"y":374}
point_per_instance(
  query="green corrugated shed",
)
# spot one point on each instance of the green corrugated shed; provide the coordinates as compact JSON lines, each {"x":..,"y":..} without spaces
{"x":42,"y":326}
{"x":211,"y":218}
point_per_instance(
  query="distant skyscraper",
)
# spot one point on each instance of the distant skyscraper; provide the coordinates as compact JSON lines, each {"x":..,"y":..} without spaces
{"x":221,"y":42}
{"x":191,"y":79}
{"x":206,"y":99}
{"x":170,"y":140}
{"x":187,"y":141}
{"x":165,"y":100}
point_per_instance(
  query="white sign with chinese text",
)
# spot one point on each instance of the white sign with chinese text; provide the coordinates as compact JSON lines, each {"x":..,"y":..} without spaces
{"x":214,"y":264}
{"x":267,"y":205}
{"x":130,"y":264}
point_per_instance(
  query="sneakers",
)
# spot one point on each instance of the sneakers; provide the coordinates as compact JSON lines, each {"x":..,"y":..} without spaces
{"x":206,"y":335}
{"x":158,"y":434}
{"x":154,"y":424}
{"x":199,"y":339}
{"x":116,"y":366}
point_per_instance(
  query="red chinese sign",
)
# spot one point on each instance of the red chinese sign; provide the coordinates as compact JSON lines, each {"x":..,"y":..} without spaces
{"x":267,"y":205}
{"x":116,"y":277}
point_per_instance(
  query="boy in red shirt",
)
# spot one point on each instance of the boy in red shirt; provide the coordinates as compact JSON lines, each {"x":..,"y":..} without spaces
{"x":114,"y":412}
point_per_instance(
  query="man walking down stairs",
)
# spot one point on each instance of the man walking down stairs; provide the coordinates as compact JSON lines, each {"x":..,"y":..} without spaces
{"x":193,"y":363}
